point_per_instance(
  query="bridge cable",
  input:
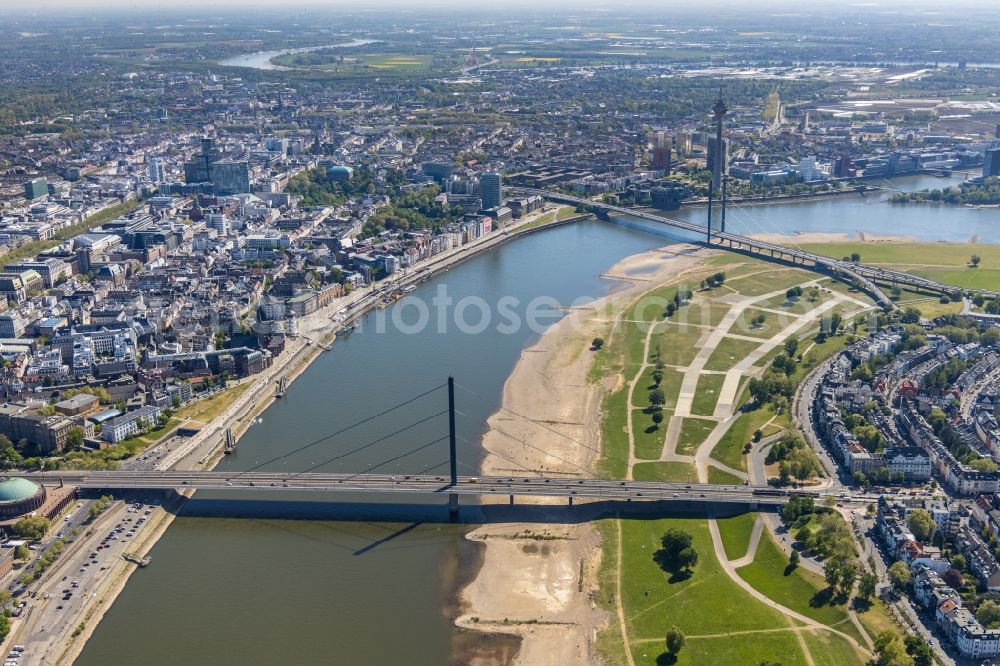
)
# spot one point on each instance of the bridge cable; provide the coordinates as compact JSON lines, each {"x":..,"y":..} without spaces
{"x":526,"y":418}
{"x":368,"y":445}
{"x":536,"y":448}
{"x":339,"y":432}
{"x":399,"y":457}
{"x":498,"y":455}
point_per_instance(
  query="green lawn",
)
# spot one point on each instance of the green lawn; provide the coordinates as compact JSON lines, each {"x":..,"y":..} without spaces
{"x":730,"y":352}
{"x":614,"y":435}
{"x":910,"y":254}
{"x":729,"y":450}
{"x":703,"y":605}
{"x":716,"y":475}
{"x":772,"y":279}
{"x":649,"y":438}
{"x":828,"y":649}
{"x":800,"y":305}
{"x":795,"y":590}
{"x":693,"y":433}
{"x":707,"y":394}
{"x":703,"y":310}
{"x":677,"y":342}
{"x":773,"y":324}
{"x":678,"y":472}
{"x":735,"y":534}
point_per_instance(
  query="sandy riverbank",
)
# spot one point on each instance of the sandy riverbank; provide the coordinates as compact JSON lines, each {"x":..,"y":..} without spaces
{"x":536,"y":579}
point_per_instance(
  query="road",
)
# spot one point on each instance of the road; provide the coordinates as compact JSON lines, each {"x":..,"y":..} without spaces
{"x":425,"y":484}
{"x":51,"y":614}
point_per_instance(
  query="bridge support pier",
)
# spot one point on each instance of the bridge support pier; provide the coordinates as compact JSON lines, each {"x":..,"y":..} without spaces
{"x":512,"y":500}
{"x":571,"y":500}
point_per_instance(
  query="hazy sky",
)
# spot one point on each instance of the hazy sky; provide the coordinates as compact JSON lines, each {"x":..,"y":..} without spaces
{"x":664,"y":5}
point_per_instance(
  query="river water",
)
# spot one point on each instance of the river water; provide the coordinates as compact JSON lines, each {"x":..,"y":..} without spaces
{"x":264,"y":582}
{"x":262,"y":59}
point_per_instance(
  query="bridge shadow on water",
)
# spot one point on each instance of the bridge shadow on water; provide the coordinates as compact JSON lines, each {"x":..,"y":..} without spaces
{"x":469,"y":513}
{"x":396,"y":519}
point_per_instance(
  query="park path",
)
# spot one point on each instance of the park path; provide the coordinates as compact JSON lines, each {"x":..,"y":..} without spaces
{"x":758,"y":529}
{"x":730,"y":570}
{"x":618,"y":596}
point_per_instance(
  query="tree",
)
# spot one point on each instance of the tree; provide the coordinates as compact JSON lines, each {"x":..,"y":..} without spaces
{"x":974,"y":261}
{"x":793,"y":559}
{"x":657,"y":398}
{"x":988,"y":614}
{"x":32,"y":528}
{"x":597,"y":344}
{"x":890,"y":651}
{"x":918,"y":648}
{"x":657,"y":418}
{"x":74,"y":437}
{"x":22,"y":553}
{"x":867,"y":585}
{"x":687,"y":559}
{"x":921,"y":524}
{"x":674,"y":640}
{"x":899,"y":575}
{"x":954,"y":578}
{"x":832,"y":571}
{"x":855,"y":257}
{"x":674,"y":541}
{"x":848,"y":574}
{"x":803,"y":535}
{"x":791,"y":346}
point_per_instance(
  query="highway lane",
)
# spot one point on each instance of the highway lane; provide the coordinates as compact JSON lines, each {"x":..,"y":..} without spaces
{"x":422,"y":484}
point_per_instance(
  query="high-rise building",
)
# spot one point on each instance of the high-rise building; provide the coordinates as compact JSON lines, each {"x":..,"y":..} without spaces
{"x":227,"y":177}
{"x":661,"y":153}
{"x":157,"y":172}
{"x":991,"y":162}
{"x":713,"y":156}
{"x":230,"y":178}
{"x":439,"y":171}
{"x":36,"y":189}
{"x":489,"y":190}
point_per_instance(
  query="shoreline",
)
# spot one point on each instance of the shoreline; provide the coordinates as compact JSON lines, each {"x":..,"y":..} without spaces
{"x":318,"y":332}
{"x":536,"y":579}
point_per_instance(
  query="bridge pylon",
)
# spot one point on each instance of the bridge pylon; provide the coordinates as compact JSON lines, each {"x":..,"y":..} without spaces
{"x":708,"y":229}
{"x":452,"y":447}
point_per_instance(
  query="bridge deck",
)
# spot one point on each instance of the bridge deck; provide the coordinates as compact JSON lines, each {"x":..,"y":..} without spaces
{"x":865,"y":273}
{"x":421,"y":484}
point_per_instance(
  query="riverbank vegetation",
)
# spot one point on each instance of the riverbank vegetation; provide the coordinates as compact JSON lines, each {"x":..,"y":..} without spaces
{"x":985,"y":193}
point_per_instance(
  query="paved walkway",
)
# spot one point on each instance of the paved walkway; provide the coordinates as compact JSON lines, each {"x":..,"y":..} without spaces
{"x":730,"y":570}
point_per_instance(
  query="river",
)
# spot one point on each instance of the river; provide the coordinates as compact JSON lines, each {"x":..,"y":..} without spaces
{"x":282,"y":586}
{"x":262,"y":59}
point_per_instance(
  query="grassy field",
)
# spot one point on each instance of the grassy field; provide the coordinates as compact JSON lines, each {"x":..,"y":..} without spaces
{"x":730,"y":352}
{"x":706,"y":606}
{"x":693,"y":433}
{"x":210,"y":409}
{"x":649,"y":437}
{"x":729,"y":450}
{"x":946,"y":262}
{"x":716,"y":475}
{"x":707,"y":394}
{"x":735,"y":534}
{"x":614,"y":435}
{"x":794,"y":589}
{"x":678,"y":472}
